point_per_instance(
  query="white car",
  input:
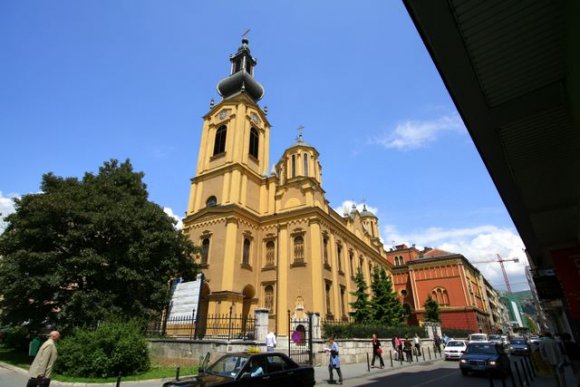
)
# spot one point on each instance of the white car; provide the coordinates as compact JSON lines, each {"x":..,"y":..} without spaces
{"x":477,"y":337}
{"x":454,"y":349}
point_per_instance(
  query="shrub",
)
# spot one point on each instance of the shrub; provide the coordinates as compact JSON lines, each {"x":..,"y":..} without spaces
{"x":15,"y":337}
{"x":112,"y":348}
{"x":365,"y":331}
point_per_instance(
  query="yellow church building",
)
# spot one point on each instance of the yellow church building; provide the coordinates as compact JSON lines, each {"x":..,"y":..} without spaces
{"x":270,"y":239}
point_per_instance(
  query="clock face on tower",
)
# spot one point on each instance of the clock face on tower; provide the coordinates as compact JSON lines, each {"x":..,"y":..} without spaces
{"x":255,"y":118}
{"x":223,"y":114}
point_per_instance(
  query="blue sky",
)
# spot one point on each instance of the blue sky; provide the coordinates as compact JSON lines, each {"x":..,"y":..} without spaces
{"x":82,"y":82}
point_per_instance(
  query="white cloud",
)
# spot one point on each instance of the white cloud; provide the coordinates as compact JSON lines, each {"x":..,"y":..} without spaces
{"x":6,"y":208}
{"x":346,"y":207}
{"x":417,"y":134}
{"x":482,"y":243}
{"x":169,"y":212}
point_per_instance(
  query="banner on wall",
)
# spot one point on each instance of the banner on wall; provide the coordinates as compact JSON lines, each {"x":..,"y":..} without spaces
{"x":185,"y":300}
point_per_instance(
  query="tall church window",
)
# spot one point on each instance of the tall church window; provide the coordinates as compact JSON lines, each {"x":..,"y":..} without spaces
{"x":327,"y":298}
{"x":270,"y":253}
{"x":219,"y":146}
{"x":204,"y":251}
{"x":325,"y":251}
{"x":293,"y":166}
{"x":269,"y":297}
{"x":339,"y":256}
{"x":246,"y":253}
{"x":342,"y":311}
{"x":350,"y":262}
{"x":305,"y":164}
{"x":254,"y":141}
{"x":298,"y":249}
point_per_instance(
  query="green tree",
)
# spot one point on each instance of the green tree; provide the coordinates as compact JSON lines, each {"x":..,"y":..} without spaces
{"x":361,"y":306}
{"x":431,"y":310}
{"x":83,"y":250}
{"x":385,"y":307}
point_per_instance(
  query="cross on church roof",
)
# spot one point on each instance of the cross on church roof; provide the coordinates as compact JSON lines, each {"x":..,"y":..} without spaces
{"x":300,"y":129}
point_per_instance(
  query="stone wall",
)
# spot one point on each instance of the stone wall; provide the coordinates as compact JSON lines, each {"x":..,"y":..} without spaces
{"x":182,"y":352}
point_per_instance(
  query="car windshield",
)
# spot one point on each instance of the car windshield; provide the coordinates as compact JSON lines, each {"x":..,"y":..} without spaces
{"x":494,"y":337}
{"x":455,"y":344}
{"x":481,"y":348}
{"x":229,"y":365}
{"x":478,"y":338}
{"x":519,"y":342}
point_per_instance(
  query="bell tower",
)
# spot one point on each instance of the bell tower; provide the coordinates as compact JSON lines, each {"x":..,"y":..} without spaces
{"x":235,"y":141}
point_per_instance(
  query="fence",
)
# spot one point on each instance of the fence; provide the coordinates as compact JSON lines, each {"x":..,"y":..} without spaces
{"x":223,"y":326}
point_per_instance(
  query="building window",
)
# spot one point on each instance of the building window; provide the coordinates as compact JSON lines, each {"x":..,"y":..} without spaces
{"x":339,"y":257}
{"x":269,"y":297}
{"x":342,"y":311}
{"x":404,"y":293}
{"x":254,"y":141}
{"x":246,"y":253}
{"x":298,"y":249}
{"x":327,"y":298}
{"x":440,"y":295}
{"x":305,"y":164}
{"x":350,"y":262}
{"x":211,"y":201}
{"x":219,"y":146}
{"x":325,"y":251}
{"x":360,"y":263}
{"x":204,"y":251}
{"x":293,"y":166}
{"x":270,"y":253}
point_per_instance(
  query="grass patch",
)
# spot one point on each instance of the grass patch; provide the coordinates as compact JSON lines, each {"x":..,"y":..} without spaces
{"x":157,"y":371}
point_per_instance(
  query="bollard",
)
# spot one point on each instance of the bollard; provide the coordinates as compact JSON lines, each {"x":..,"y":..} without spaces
{"x":519,"y":374}
{"x":400,"y":354}
{"x":423,"y":353}
{"x":525,"y":372}
{"x":177,"y":373}
{"x":391,"y":356}
{"x":417,"y":357}
{"x":118,"y":380}
{"x":369,"y":363}
{"x":429,"y":350}
{"x":531,"y":365}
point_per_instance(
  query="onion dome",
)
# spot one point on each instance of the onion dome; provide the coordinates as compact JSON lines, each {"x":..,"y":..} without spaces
{"x":241,"y":79}
{"x":366,"y":213}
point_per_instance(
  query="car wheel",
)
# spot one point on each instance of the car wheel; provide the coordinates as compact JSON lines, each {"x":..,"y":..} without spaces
{"x":464,"y":372}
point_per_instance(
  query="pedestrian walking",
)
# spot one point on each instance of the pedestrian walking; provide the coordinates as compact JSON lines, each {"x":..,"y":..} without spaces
{"x":417,"y":342}
{"x":400,"y":343}
{"x":43,"y":363}
{"x":334,"y":360}
{"x":270,"y":341}
{"x":437,"y":344}
{"x":551,"y":352}
{"x":377,"y":351}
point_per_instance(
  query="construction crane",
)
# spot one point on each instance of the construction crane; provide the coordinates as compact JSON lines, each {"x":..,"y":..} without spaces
{"x":501,"y":260}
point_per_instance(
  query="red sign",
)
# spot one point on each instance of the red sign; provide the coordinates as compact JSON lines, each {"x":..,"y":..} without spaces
{"x":567,"y":265}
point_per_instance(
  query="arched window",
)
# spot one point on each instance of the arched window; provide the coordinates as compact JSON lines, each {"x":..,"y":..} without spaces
{"x":246,"y":254}
{"x":325,"y":250}
{"x":298,"y":249}
{"x":211,"y":201}
{"x":270,"y":253}
{"x":293,"y":166}
{"x":219,"y":146}
{"x":339,"y":256}
{"x":254,"y":141}
{"x":327,"y":299}
{"x":305,"y":164}
{"x":269,"y":297}
{"x":204,"y":251}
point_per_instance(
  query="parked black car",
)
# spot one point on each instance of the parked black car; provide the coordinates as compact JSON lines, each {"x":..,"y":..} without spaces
{"x":250,"y":369}
{"x":485,"y":357}
{"x":519,"y":347}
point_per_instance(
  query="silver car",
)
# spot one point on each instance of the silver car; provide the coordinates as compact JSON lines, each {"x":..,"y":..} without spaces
{"x":454,"y":349}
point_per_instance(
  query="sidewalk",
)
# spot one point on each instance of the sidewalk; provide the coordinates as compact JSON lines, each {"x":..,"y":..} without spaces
{"x":349,"y":371}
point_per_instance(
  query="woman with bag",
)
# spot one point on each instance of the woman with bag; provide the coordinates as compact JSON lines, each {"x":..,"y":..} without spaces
{"x":334,"y":360}
{"x":377,"y":351}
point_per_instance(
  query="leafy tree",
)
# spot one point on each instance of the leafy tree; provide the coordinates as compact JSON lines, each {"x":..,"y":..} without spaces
{"x":82,"y":250}
{"x":361,"y":305}
{"x":431,"y":310}
{"x":385,"y":307}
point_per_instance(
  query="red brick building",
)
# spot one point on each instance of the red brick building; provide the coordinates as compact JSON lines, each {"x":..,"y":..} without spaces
{"x":450,"y":279}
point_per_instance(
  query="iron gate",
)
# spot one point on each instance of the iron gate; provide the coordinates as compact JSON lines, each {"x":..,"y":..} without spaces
{"x":300,"y":339}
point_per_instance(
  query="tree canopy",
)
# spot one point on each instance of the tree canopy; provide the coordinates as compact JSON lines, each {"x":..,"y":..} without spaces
{"x":431,"y":310}
{"x":83,"y":250}
{"x":385,"y":307}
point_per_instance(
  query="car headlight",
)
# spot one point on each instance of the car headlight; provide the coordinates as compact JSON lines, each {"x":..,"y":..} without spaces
{"x":463,"y":361}
{"x":491,"y":362}
{"x":511,"y":347}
